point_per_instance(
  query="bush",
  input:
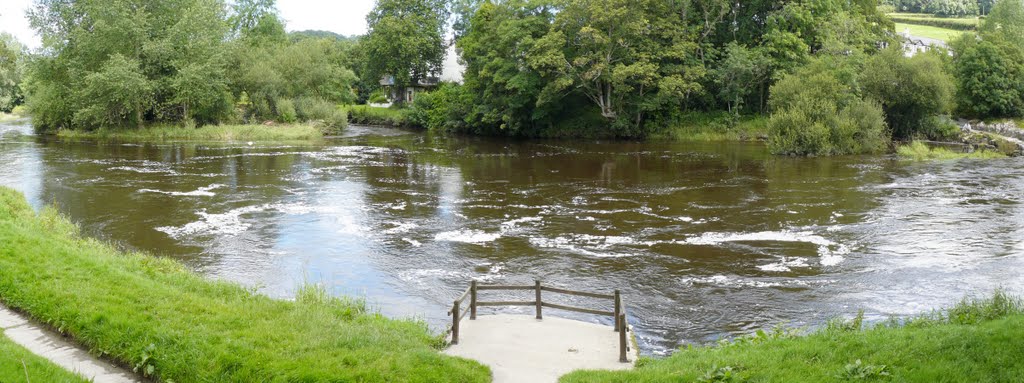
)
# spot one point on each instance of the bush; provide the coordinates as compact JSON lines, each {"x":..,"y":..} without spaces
{"x":814,"y":113}
{"x":286,"y":111}
{"x":337,"y":120}
{"x":440,"y":110}
{"x":377,"y":97}
{"x":910,"y":90}
{"x":312,"y":109}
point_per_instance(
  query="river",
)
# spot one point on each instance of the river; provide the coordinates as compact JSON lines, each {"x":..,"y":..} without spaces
{"x":705,"y":240}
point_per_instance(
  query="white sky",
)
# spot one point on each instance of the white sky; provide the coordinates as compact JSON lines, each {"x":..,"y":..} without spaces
{"x":345,"y":17}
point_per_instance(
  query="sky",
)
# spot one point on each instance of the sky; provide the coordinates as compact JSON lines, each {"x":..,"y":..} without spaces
{"x":345,"y":17}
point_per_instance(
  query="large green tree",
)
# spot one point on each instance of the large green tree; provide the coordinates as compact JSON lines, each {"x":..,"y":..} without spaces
{"x":630,"y":58}
{"x":406,"y":40}
{"x":989,"y":67}
{"x":12,"y":61}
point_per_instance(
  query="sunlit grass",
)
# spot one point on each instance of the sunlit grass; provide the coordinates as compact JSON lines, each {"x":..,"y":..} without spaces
{"x":918,"y":151}
{"x":154,"y":315}
{"x":931,"y":32}
{"x":19,"y":365}
{"x":976,"y":341}
{"x":373,"y":115}
{"x":715,"y":127}
{"x":277,"y":132}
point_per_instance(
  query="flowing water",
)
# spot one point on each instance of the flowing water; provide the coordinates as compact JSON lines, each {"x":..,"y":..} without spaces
{"x":705,"y":240}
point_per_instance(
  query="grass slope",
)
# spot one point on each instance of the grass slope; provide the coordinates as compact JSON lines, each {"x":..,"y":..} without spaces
{"x":169,"y":323}
{"x":937,"y":33}
{"x":977,"y":342}
{"x":287,"y":132}
{"x":19,"y":365}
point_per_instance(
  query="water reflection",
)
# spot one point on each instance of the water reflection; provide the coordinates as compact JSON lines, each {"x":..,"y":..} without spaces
{"x":704,"y":239}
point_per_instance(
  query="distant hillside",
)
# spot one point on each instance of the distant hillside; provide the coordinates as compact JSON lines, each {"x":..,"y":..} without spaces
{"x":319,"y":35}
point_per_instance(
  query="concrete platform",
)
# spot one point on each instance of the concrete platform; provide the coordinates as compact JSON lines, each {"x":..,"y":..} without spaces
{"x":520,"y":348}
{"x":53,"y":347}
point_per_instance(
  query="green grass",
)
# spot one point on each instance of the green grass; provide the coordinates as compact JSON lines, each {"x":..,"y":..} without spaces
{"x":18,"y":365}
{"x":937,"y":33}
{"x":169,"y":323}
{"x":372,"y":115}
{"x":955,"y":23}
{"x":918,"y":151}
{"x":720,"y":126}
{"x":976,"y":341}
{"x":277,"y":132}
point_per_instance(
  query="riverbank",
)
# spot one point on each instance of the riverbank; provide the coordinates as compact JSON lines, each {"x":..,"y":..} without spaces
{"x":275,"y":132}
{"x":171,"y":324}
{"x":919,"y":151}
{"x":976,"y":341}
{"x":19,"y":365}
{"x":722,"y":126}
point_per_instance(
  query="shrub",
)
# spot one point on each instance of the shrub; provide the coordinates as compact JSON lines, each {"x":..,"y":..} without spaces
{"x":989,"y":75}
{"x":286,"y":111}
{"x":440,"y":110}
{"x":910,"y":90}
{"x":337,"y":120}
{"x":814,"y":113}
{"x":312,"y":109}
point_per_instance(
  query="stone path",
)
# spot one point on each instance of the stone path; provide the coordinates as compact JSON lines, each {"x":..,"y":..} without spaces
{"x":520,"y":348}
{"x":53,"y":347}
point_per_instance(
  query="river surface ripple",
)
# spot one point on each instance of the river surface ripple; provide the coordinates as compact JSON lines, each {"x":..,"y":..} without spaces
{"x":705,"y":240}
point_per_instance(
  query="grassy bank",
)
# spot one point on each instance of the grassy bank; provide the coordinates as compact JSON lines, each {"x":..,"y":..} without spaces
{"x":277,"y":132}
{"x":943,"y":34}
{"x":154,"y":315}
{"x":372,"y":115}
{"x":918,"y":151}
{"x":715,"y":127}
{"x":977,"y":341}
{"x":19,"y":365}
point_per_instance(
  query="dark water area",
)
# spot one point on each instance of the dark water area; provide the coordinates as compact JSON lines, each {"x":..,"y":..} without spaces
{"x":704,"y":239}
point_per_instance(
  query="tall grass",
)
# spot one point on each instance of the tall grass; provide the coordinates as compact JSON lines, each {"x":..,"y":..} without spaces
{"x":19,"y":365}
{"x":286,"y":132}
{"x":918,"y":151}
{"x":371,"y":115}
{"x":700,"y":126}
{"x":170,"y":324}
{"x":975,"y":341}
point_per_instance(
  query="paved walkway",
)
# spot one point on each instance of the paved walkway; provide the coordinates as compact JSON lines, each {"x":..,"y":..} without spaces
{"x":53,"y":347}
{"x":519,"y":348}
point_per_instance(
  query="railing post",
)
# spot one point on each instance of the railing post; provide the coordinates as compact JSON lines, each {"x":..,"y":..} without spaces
{"x":537,"y":287}
{"x":622,"y":339}
{"x":472,"y":300}
{"x":456,"y":313}
{"x":618,"y":308}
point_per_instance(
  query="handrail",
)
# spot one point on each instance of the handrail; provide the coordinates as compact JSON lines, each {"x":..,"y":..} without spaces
{"x":619,"y":313}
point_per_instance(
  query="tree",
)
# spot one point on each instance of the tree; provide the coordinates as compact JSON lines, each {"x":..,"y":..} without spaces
{"x":256,"y":22}
{"x":989,"y":68}
{"x":742,"y":71}
{"x":406,"y":41}
{"x":912,"y":91}
{"x":12,"y":60}
{"x":629,"y":58}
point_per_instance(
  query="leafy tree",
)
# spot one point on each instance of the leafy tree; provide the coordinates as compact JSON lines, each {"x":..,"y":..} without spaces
{"x":12,"y":60}
{"x":256,"y":22}
{"x":406,"y":40}
{"x":116,"y":95}
{"x":743,"y":71}
{"x":989,"y":68}
{"x":911,"y":90}
{"x":629,"y":58}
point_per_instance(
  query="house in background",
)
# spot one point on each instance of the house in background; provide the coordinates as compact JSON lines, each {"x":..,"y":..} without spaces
{"x":451,"y":71}
{"x":407,"y":94}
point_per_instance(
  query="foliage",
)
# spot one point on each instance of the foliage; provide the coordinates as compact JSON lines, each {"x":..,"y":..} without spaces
{"x":914,"y":350}
{"x":19,"y":365}
{"x":918,"y":151}
{"x":815,"y":111}
{"x":162,"y":133}
{"x":726,"y":374}
{"x":740,"y":72}
{"x":145,"y":311}
{"x":584,"y":53}
{"x":939,"y":22}
{"x":953,"y":8}
{"x":440,"y":110}
{"x":12,"y":68}
{"x":941,"y":34}
{"x":717,"y":126}
{"x":405,"y":40}
{"x":910,"y":90}
{"x":371,"y":115}
{"x":989,"y":69}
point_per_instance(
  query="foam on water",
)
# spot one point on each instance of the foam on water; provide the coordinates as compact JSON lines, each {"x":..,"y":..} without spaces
{"x":467,"y":236}
{"x":201,"y":192}
{"x":830,"y":253}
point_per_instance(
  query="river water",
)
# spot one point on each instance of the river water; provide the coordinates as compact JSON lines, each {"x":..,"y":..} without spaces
{"x":705,"y":240}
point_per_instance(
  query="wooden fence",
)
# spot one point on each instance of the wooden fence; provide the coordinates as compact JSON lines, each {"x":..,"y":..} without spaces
{"x":458,"y":313}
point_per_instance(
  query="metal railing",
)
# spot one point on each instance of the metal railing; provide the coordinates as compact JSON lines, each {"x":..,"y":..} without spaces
{"x":618,"y":314}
